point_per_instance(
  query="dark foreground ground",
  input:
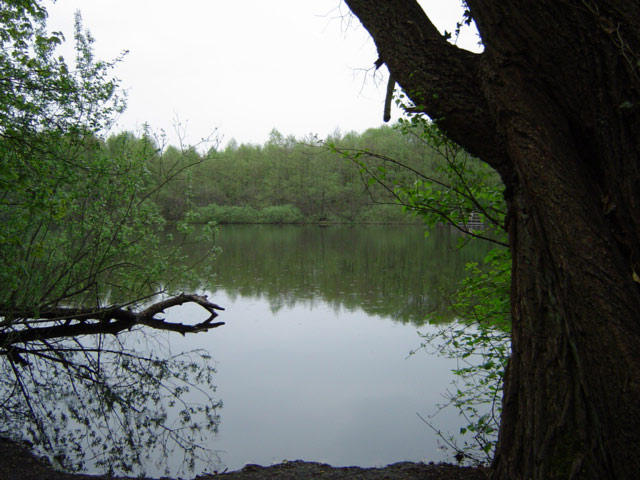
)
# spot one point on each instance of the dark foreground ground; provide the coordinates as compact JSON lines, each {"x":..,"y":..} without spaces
{"x":17,"y":463}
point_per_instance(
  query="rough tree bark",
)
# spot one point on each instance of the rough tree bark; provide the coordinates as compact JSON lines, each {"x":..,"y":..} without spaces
{"x":553,"y":104}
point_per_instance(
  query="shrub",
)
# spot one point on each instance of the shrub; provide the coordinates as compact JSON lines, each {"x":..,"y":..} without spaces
{"x":280,"y":214}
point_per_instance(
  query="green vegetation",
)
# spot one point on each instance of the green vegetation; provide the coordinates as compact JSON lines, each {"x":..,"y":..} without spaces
{"x":449,"y":189}
{"x":79,"y":262}
{"x":286,"y":180}
{"x":289,"y":180}
{"x":395,"y":273}
{"x":83,"y":258}
{"x":283,"y":214}
{"x":480,"y":340}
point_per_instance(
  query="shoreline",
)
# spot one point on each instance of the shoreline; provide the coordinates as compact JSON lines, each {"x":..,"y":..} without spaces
{"x":17,"y":462}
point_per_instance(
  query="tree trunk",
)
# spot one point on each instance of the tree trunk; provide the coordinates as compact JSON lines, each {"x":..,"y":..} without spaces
{"x":553,"y":103}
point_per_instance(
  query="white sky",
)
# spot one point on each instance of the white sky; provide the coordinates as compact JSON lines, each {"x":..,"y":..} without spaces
{"x":241,"y":66}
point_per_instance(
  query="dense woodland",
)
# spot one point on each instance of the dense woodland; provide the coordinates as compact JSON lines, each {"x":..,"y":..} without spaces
{"x":285,"y":180}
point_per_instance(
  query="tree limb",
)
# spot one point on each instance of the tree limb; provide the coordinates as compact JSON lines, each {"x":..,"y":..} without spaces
{"x":72,"y":322}
{"x":441,"y":79}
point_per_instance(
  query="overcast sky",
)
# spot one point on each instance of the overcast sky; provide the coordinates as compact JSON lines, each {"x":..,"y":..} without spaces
{"x":243,"y":67}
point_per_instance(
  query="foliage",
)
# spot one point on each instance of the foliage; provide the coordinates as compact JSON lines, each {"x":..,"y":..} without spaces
{"x":451,"y":188}
{"x":445,"y":186}
{"x":64,"y":222}
{"x":306,"y":184}
{"x":462,"y":185}
{"x":102,"y":404}
{"x":173,"y":171}
{"x":280,"y":214}
{"x":481,"y":338}
{"x":480,"y":341}
{"x":239,"y":183}
{"x":234,"y":214}
{"x":80,"y":234}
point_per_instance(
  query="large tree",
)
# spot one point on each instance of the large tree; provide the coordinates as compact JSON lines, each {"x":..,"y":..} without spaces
{"x":553,"y":104}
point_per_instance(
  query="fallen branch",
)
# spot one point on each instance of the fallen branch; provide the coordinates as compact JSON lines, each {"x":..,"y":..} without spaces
{"x":76,"y":321}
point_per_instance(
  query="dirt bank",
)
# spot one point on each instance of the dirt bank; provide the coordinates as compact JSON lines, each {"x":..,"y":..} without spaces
{"x":17,"y":463}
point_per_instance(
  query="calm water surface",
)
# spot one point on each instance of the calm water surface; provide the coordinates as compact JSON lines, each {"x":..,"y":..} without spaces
{"x":313,"y":360}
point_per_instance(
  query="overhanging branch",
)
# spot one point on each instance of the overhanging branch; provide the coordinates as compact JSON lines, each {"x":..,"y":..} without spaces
{"x":73,"y":322}
{"x":441,"y":79}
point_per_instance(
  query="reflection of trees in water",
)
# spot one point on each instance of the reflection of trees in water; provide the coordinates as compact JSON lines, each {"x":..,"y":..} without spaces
{"x":89,"y":388}
{"x":389,"y":271}
{"x":92,"y":399}
{"x":119,"y":403}
{"x":111,"y":403}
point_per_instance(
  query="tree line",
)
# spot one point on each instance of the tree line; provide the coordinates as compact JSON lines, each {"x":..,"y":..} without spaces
{"x":284,"y":180}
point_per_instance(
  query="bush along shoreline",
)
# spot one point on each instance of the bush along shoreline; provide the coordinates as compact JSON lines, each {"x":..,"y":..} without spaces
{"x":291,"y":215}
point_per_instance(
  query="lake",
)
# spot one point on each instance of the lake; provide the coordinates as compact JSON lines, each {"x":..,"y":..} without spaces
{"x":313,"y":362}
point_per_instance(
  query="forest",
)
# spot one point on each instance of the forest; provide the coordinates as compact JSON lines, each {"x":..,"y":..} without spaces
{"x":285,"y":180}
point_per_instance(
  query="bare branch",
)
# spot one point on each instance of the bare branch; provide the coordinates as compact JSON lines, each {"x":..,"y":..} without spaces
{"x":72,"y":322}
{"x":441,"y":79}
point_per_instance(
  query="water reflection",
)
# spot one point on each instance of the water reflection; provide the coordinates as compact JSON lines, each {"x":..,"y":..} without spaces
{"x":322,"y":383}
{"x":393,"y":272}
{"x":312,"y":362}
{"x":309,"y":364}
